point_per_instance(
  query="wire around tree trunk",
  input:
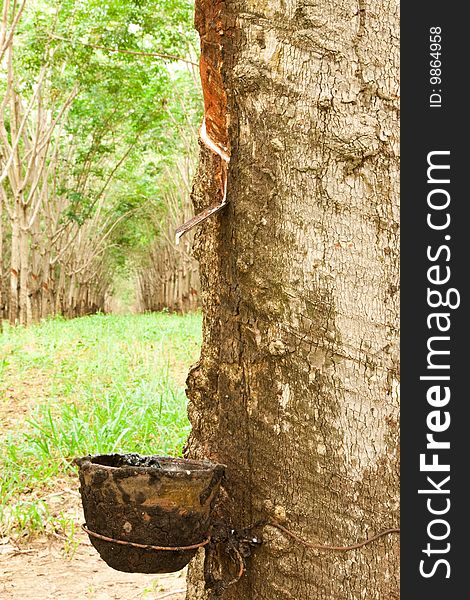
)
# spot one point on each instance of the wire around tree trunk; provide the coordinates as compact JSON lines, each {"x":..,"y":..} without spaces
{"x":145,"y":546}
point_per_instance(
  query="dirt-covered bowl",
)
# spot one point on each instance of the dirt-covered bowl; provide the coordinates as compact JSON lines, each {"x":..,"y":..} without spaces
{"x":148,"y":500}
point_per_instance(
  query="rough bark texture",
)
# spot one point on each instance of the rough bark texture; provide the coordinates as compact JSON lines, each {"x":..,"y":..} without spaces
{"x":296,"y":390}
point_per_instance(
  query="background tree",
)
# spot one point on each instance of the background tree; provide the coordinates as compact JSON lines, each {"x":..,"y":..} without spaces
{"x":87,"y":92}
{"x":296,"y":390}
{"x":168,"y":274}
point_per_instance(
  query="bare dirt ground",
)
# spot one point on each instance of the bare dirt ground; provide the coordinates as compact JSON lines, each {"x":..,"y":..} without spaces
{"x":40,"y":571}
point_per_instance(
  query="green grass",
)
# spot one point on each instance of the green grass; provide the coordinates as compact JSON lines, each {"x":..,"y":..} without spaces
{"x":92,"y":385}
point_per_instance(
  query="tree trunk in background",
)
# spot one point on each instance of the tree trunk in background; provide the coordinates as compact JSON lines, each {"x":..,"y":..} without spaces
{"x":14,"y":270}
{"x":296,"y":390}
{"x":25,"y":300}
{"x":170,"y":278}
{"x":1,"y":264}
{"x":2,"y":302}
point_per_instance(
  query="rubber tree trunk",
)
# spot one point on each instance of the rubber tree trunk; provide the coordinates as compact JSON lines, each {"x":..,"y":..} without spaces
{"x":25,"y":269}
{"x":15,"y":266}
{"x":296,"y":390}
{"x":1,"y":266}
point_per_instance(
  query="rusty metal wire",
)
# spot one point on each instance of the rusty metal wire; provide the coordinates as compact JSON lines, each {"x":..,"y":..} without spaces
{"x":145,"y":546}
{"x":239,"y":544}
{"x":314,"y":546}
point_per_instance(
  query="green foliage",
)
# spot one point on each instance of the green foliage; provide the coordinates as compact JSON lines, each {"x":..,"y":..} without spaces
{"x":124,"y":125}
{"x":95,"y":384}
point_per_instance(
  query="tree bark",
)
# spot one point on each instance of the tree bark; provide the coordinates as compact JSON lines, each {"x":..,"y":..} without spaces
{"x":1,"y":262}
{"x":14,"y":271}
{"x":296,"y":390}
{"x":25,"y":287}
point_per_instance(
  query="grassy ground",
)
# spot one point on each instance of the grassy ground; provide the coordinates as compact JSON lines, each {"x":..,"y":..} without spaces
{"x":90,"y":385}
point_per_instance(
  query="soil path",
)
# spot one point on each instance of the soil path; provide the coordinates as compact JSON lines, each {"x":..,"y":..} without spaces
{"x":41,"y":572}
